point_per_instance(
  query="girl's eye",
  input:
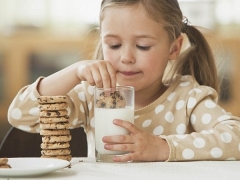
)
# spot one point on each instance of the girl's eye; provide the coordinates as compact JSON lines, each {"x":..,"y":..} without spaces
{"x":144,"y":48}
{"x":115,"y":46}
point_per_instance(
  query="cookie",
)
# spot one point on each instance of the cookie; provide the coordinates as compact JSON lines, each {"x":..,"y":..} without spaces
{"x":50,"y":120}
{"x":55,"y":152}
{"x":57,"y":113}
{"x":64,"y":157}
{"x":54,"y":139}
{"x":111,"y":100}
{"x":51,"y":99}
{"x":5,"y":166}
{"x":56,"y":145}
{"x":52,"y":107}
{"x":3,"y":161}
{"x":62,"y":125}
{"x":48,"y":132}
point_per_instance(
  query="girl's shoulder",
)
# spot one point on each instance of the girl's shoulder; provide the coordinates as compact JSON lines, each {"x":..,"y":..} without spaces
{"x":188,"y":86}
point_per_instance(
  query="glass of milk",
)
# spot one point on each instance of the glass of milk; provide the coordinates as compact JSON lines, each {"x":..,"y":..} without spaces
{"x":110,"y":104}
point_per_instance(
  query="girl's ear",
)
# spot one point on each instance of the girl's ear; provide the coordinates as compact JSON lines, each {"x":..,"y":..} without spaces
{"x":176,"y":48}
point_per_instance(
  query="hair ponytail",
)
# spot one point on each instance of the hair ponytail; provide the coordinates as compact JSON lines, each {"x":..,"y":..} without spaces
{"x":198,"y":59}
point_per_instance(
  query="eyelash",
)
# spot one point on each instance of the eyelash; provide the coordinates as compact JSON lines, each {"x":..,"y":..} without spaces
{"x":114,"y":46}
{"x":144,"y":48}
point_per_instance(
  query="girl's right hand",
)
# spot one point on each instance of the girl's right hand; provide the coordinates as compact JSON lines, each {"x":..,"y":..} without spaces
{"x":97,"y":73}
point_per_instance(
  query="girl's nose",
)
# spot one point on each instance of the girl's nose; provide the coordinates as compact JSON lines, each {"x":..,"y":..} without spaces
{"x":127,"y":56}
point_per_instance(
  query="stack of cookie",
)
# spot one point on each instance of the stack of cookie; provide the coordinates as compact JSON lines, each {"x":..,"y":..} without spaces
{"x":53,"y":124}
{"x":4,"y":163}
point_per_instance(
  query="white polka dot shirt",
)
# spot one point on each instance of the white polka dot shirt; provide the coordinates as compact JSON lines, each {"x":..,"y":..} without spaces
{"x":186,"y":115}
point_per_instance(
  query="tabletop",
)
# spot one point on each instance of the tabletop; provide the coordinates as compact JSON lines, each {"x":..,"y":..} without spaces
{"x":88,"y":168}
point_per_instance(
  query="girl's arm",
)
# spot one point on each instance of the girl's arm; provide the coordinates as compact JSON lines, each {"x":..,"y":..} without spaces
{"x":97,"y":73}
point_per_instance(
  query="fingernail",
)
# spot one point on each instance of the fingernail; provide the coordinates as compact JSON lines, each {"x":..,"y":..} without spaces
{"x":106,"y":146}
{"x":115,"y":121}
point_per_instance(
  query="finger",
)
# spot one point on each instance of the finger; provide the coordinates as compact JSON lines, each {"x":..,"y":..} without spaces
{"x":84,"y":73}
{"x":127,"y":125}
{"x":105,"y":77}
{"x":96,"y":76}
{"x":120,"y":139}
{"x":112,"y":75}
{"x":90,"y":73}
{"x":123,"y":158}
{"x":120,"y":147}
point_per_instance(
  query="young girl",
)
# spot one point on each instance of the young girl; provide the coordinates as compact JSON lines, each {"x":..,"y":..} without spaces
{"x":176,"y":118}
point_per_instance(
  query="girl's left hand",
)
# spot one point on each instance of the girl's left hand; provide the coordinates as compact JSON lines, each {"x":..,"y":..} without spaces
{"x":142,"y":146}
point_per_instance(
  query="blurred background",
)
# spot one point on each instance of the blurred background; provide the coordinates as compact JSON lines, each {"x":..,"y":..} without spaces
{"x":40,"y":37}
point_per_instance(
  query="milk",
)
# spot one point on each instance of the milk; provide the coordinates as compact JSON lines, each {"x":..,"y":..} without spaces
{"x":104,"y":125}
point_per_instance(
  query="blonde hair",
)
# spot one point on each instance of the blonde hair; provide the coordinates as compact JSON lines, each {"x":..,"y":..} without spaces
{"x":197,"y":60}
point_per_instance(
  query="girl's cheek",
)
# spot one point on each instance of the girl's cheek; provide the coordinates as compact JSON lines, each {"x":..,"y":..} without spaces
{"x":110,"y":56}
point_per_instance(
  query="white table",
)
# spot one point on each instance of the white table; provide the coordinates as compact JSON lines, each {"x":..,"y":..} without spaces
{"x":88,"y":169}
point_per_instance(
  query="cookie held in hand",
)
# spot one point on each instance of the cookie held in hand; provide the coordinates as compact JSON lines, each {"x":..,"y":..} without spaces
{"x":111,"y":100}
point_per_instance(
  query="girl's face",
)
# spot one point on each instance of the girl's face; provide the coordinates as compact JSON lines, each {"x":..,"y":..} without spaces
{"x":137,"y":46}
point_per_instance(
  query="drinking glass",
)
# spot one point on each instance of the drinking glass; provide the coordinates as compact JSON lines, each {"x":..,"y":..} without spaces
{"x":110,"y":104}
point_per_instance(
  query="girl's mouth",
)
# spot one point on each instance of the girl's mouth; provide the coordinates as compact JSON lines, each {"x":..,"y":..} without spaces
{"x":129,"y":73}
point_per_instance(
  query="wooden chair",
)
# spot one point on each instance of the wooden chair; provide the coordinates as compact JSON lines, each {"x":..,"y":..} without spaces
{"x":18,"y":143}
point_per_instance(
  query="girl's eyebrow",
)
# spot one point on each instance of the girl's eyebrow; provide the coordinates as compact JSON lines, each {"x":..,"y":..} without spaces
{"x":137,"y":36}
{"x":145,"y":36}
{"x":110,"y":35}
